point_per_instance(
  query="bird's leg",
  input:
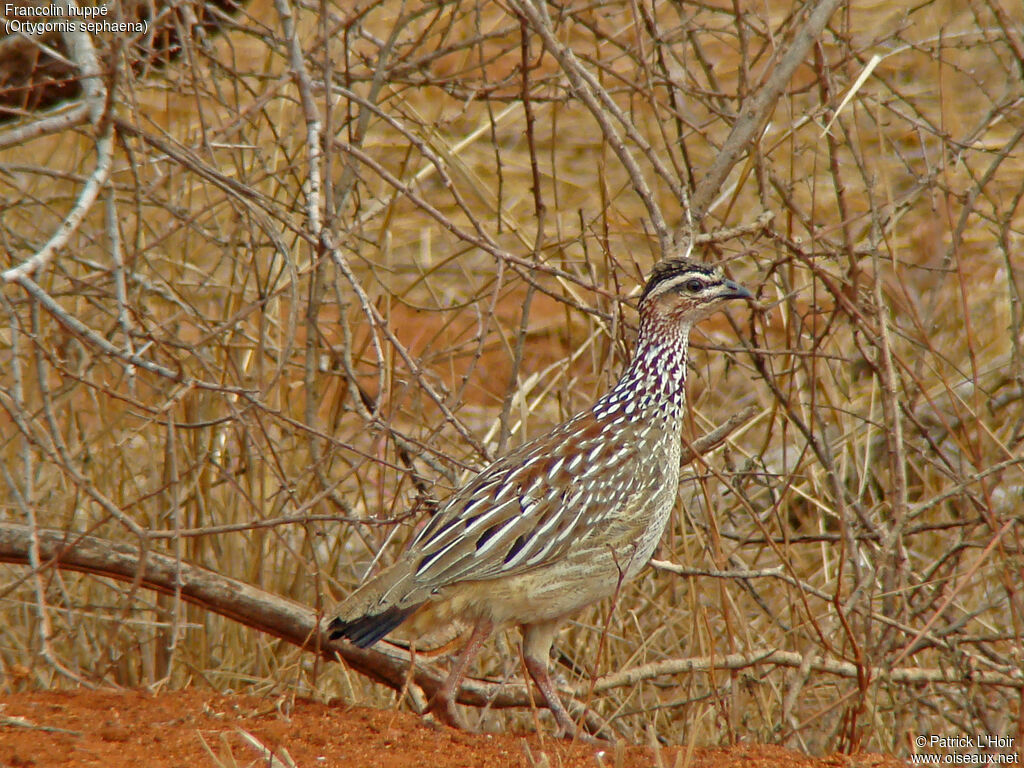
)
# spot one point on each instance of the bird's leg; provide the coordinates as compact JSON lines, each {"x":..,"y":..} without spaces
{"x":442,"y":703}
{"x":537,"y":639}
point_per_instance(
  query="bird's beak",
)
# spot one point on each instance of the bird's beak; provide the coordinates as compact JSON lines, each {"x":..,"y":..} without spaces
{"x":736,"y":291}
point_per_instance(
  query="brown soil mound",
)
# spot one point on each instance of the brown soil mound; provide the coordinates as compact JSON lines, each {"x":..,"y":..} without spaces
{"x":199,"y":728}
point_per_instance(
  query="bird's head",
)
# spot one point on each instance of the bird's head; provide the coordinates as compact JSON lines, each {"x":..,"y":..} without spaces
{"x":688,"y":291}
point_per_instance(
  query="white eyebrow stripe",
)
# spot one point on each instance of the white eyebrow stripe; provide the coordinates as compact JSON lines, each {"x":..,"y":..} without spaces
{"x":710,"y":280}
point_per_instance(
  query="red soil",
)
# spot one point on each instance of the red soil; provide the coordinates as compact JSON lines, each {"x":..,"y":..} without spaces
{"x":132,"y":729}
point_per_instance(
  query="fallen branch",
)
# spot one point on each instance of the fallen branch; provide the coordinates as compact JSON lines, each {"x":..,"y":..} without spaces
{"x":384,"y":663}
{"x":241,"y":602}
{"x":761,"y":656}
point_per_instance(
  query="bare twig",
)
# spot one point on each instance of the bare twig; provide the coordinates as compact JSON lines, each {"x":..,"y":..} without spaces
{"x":83,"y":54}
{"x":756,"y":108}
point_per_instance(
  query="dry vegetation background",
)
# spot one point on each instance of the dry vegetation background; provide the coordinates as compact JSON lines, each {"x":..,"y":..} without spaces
{"x":331,"y":258}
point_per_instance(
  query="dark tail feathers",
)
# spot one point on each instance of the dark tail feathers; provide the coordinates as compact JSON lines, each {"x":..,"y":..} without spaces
{"x":367,"y":630}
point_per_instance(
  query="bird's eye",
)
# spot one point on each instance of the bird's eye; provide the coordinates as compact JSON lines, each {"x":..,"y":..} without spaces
{"x":694,"y":285}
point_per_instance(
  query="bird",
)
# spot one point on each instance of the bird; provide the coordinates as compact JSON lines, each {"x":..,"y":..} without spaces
{"x":560,"y":522}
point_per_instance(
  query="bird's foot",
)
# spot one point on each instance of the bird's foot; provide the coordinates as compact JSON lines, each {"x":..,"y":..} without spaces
{"x":579,"y":735}
{"x":443,"y":710}
{"x":570,"y":731}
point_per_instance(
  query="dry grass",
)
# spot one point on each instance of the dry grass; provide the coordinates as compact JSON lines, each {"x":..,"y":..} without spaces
{"x":483,"y":241}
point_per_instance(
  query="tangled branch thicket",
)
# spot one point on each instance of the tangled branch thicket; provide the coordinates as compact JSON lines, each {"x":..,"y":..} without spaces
{"x":269,"y":299}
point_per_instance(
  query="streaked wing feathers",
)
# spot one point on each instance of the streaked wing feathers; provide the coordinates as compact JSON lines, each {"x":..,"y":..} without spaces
{"x":528,"y":508}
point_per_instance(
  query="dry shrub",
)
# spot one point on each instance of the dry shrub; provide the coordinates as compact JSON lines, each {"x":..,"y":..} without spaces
{"x":345,"y":255}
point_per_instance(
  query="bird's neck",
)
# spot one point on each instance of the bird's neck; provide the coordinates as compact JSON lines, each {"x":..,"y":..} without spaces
{"x":655,"y":380}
